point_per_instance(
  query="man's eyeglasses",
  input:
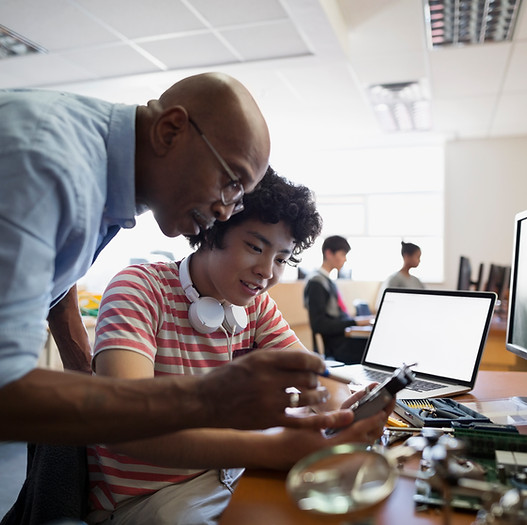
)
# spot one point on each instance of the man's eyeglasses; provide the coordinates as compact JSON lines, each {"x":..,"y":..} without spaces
{"x":233,"y":192}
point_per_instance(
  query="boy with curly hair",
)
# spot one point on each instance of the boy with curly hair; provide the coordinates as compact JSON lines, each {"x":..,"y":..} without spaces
{"x":189,"y":318}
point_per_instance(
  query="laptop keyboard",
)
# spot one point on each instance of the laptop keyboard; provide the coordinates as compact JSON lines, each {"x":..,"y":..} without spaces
{"x":418,"y":385}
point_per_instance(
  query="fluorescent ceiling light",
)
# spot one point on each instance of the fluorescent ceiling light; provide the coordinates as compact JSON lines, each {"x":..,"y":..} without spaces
{"x":12,"y":44}
{"x":403,"y":106}
{"x":466,"y":22}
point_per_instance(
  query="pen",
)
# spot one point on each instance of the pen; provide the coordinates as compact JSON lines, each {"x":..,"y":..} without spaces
{"x":331,"y":374}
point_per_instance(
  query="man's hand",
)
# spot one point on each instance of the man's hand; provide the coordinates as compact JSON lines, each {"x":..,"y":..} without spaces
{"x":250,"y":393}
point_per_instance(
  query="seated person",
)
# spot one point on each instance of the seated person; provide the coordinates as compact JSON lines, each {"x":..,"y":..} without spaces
{"x":156,"y":320}
{"x":327,"y":312}
{"x":411,"y":254}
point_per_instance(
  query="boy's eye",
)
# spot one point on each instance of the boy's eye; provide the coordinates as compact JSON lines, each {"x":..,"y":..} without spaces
{"x":254,"y":247}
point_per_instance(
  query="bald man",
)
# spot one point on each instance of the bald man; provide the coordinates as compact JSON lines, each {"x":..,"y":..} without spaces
{"x":73,"y":170}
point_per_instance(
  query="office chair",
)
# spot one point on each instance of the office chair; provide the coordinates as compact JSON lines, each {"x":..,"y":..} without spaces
{"x":318,"y":344}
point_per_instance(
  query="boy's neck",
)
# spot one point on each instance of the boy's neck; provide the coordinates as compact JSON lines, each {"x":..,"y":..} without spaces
{"x":327,"y":266}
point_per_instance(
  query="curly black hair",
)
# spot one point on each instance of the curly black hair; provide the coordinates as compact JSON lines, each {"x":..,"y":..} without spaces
{"x":273,"y":200}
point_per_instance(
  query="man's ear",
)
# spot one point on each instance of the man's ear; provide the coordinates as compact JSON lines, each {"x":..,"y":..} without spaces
{"x":169,"y":125}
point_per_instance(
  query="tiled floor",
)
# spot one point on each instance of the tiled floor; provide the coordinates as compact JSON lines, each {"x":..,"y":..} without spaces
{"x":12,"y":473}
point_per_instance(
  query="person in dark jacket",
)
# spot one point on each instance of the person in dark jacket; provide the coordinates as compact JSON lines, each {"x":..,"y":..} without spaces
{"x":328,"y":315}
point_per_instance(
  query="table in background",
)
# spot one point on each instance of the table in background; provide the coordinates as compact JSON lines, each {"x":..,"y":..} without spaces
{"x":261,"y":497}
{"x":495,"y":355}
{"x":358,"y":331}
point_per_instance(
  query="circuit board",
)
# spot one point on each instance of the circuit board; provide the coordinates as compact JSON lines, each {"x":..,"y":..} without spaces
{"x":493,"y":456}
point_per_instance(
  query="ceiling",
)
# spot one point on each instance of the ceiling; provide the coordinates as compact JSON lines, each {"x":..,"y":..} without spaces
{"x":307,"y":62}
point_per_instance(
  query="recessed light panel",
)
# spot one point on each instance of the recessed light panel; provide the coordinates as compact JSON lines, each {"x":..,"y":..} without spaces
{"x":401,"y":106}
{"x":469,"y":22}
{"x":13,"y":44}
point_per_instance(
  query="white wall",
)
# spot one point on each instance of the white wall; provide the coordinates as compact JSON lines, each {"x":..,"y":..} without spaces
{"x":485,"y":186}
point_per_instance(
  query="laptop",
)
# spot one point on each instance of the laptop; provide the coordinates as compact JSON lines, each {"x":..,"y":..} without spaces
{"x":442,"y":331}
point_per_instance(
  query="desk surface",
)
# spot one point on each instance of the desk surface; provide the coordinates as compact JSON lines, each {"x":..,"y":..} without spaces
{"x":261,"y":497}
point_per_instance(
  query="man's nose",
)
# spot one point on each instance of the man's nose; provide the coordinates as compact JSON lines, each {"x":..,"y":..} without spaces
{"x":222,"y":212}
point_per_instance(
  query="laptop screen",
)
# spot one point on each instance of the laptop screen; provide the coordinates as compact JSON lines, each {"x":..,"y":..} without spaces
{"x":444,"y":332}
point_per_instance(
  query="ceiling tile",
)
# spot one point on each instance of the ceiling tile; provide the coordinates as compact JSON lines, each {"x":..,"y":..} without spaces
{"x":384,"y":26}
{"x":207,"y":50}
{"x":516,"y":77}
{"x":464,"y":117}
{"x":470,"y":70}
{"x":233,"y":12}
{"x":520,"y":31}
{"x":137,"y":18}
{"x":510,"y":115}
{"x":264,"y":41}
{"x":390,"y":68}
{"x":53,"y":24}
{"x":110,"y":61}
{"x":40,"y":70}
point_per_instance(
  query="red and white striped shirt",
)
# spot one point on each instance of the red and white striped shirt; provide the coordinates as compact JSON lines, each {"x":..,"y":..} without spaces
{"x":145,"y":310}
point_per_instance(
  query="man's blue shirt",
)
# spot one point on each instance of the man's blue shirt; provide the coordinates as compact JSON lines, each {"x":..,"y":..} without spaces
{"x":66,"y":184}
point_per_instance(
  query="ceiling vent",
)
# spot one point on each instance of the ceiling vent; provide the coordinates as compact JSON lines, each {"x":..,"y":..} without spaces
{"x":469,"y":22}
{"x":403,"y":106}
{"x":13,"y":44}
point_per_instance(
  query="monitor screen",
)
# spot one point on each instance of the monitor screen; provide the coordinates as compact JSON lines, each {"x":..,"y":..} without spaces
{"x":517,"y":317}
{"x":464,"y":279}
{"x":496,"y":282}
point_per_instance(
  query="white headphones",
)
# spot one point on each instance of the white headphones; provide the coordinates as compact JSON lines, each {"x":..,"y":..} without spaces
{"x":207,"y":314}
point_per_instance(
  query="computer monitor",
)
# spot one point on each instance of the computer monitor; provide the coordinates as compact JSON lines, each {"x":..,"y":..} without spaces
{"x":301,"y":273}
{"x":516,"y":341}
{"x":464,"y":280}
{"x":496,"y":281}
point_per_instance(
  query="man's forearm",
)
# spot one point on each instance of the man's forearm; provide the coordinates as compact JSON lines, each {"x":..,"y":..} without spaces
{"x":71,"y":408}
{"x":68,"y":331}
{"x":45,"y":406}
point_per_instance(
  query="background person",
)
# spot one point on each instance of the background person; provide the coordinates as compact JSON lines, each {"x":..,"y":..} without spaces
{"x":411,"y":254}
{"x":149,"y":326}
{"x":328,"y":315}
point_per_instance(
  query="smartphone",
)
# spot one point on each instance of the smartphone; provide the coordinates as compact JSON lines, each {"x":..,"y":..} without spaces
{"x":381,"y":395}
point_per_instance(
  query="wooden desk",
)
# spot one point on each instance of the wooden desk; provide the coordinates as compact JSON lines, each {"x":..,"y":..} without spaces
{"x":495,"y":355}
{"x":261,"y":497}
{"x":358,"y":331}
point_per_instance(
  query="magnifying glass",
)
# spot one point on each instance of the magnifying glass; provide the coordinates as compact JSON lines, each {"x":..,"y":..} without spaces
{"x":344,"y":479}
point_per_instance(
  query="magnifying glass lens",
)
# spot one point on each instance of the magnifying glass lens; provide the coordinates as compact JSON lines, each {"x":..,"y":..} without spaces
{"x":341,"y":480}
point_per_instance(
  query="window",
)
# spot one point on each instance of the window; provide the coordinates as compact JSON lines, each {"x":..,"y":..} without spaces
{"x":376,"y":198}
{"x":373,"y":197}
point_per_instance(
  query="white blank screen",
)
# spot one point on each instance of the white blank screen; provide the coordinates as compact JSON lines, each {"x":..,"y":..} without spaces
{"x":441,"y":333}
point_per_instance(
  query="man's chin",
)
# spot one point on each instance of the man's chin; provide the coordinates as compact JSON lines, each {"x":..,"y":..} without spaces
{"x":170,"y":230}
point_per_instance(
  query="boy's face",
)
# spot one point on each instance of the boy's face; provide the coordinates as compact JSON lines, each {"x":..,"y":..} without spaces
{"x":252,"y":261}
{"x":336,"y":259}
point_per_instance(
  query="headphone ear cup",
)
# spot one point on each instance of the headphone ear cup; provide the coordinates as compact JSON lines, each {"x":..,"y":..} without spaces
{"x":205,"y":315}
{"x":235,"y":318}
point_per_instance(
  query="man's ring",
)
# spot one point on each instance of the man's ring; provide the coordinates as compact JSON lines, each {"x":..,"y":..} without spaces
{"x":294,"y":398}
